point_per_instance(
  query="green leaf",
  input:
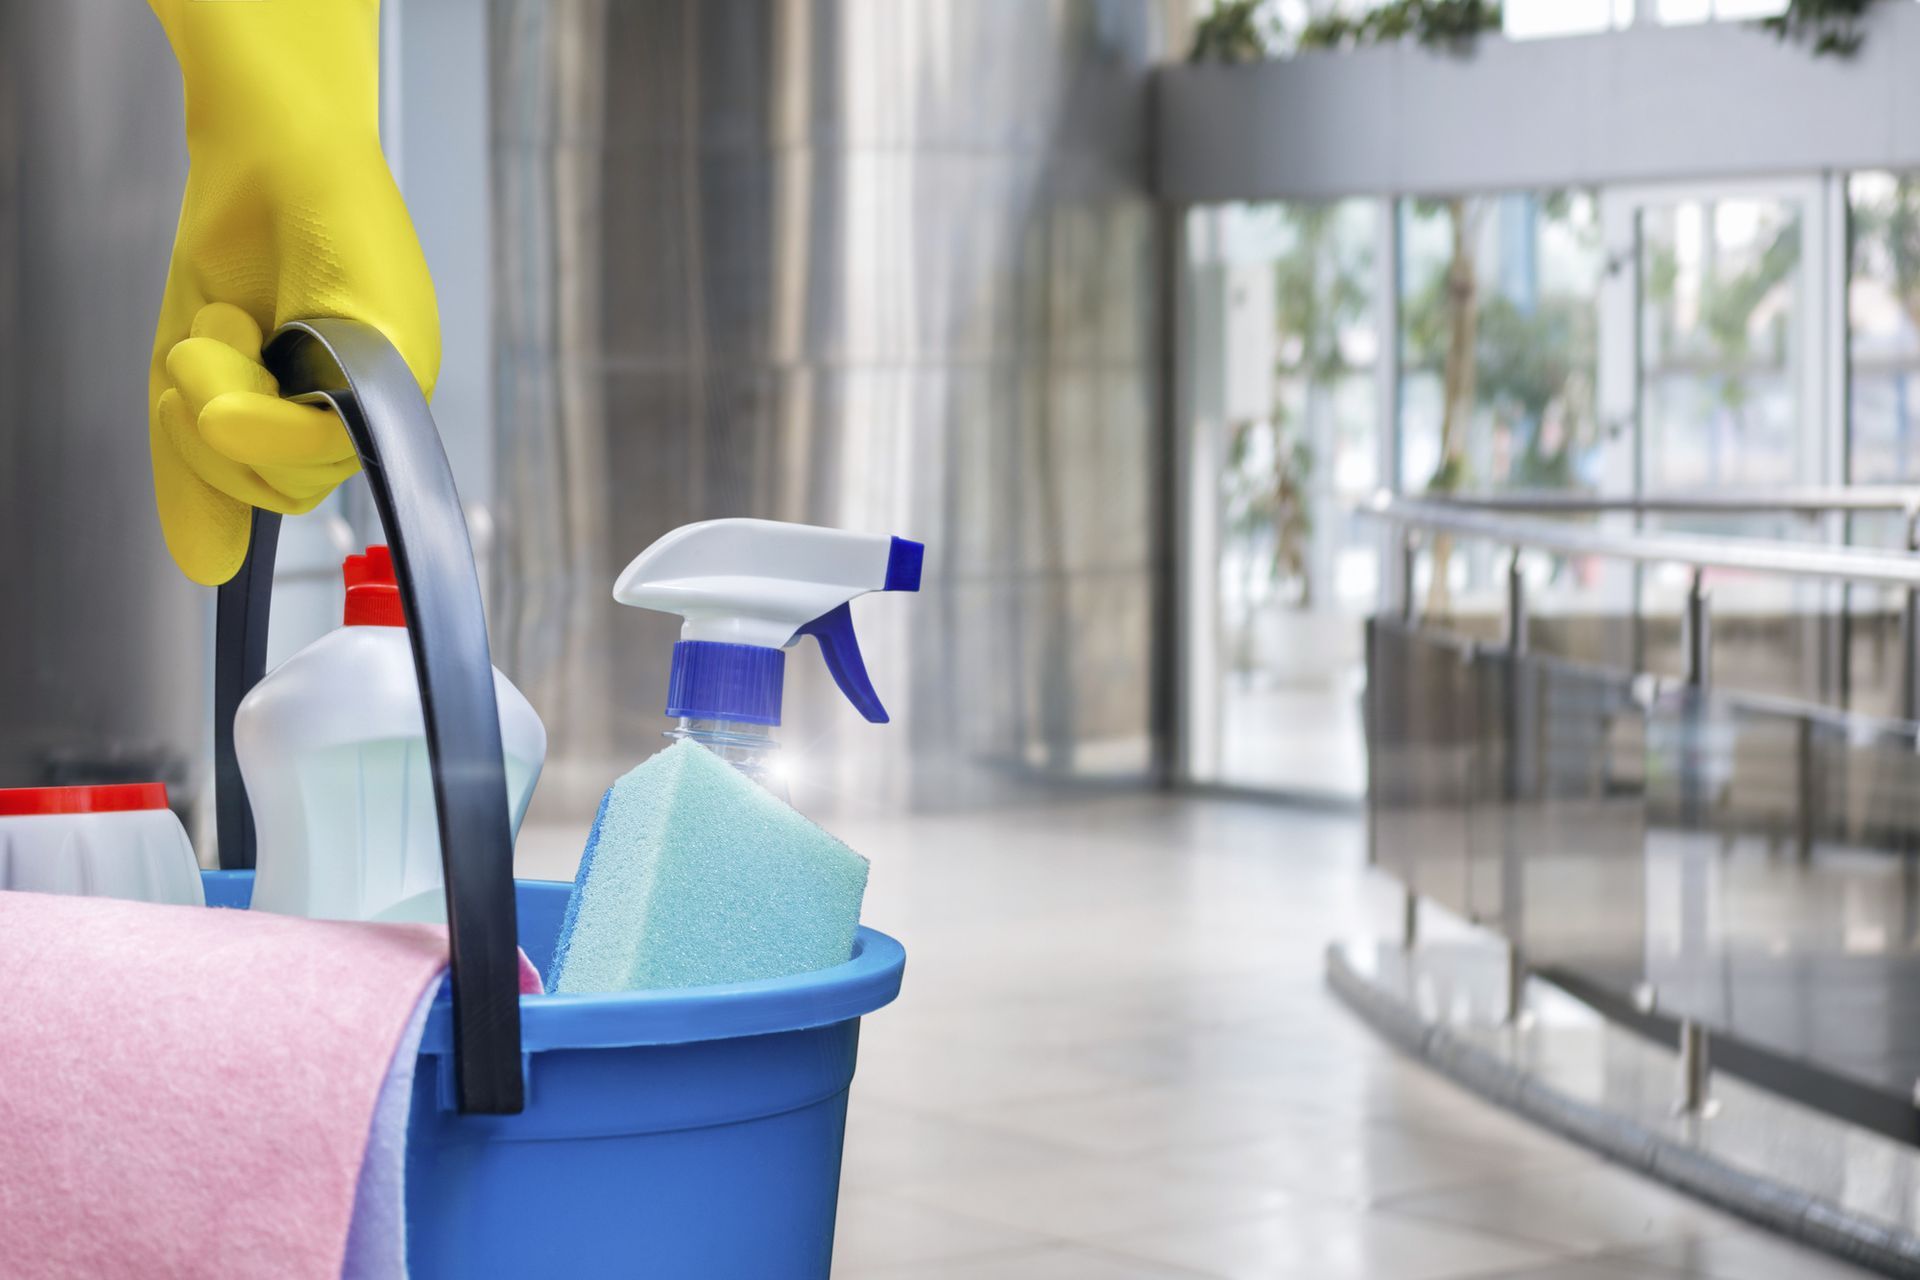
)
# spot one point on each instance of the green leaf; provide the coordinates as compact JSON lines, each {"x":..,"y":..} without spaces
{"x":1830,"y":27}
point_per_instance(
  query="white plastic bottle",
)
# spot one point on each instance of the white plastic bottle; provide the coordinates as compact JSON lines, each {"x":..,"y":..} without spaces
{"x":114,"y":841}
{"x":332,"y":745}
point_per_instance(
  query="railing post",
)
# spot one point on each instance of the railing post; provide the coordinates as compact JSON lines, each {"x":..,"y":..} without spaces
{"x":1910,"y":676}
{"x":1843,"y":659}
{"x":1409,"y":561}
{"x":1910,"y":657}
{"x":1697,"y":642}
{"x":1409,"y":917}
{"x":1808,"y":823}
{"x":1695,"y":1069}
{"x":1516,"y":985}
{"x":1910,"y":632}
{"x":1511,"y":881}
{"x":1699,"y":635}
{"x":1516,"y":606}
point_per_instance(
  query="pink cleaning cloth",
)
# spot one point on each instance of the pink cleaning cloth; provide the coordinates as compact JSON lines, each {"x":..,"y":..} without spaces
{"x":190,"y":1092}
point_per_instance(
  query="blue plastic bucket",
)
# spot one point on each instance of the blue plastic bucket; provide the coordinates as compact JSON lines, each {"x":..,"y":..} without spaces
{"x":691,"y":1133}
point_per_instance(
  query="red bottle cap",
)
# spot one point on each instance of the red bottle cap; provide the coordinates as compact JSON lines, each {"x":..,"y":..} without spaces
{"x":117,"y":797}
{"x":373,"y":593}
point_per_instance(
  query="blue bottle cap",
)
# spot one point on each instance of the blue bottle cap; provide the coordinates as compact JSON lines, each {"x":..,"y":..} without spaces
{"x":712,"y":680}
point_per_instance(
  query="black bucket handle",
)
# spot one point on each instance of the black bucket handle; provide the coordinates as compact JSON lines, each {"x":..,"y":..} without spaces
{"x":353,"y":368}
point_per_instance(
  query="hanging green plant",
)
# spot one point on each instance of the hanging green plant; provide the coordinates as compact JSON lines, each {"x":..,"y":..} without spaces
{"x":1832,"y":27}
{"x":1233,"y":32}
{"x":1451,"y":24}
{"x":1236,"y":31}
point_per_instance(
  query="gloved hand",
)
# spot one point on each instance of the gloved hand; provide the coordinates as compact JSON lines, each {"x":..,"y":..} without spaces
{"x":290,"y":213}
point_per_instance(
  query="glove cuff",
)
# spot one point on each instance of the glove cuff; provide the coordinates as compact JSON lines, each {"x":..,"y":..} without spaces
{"x":277,"y":76}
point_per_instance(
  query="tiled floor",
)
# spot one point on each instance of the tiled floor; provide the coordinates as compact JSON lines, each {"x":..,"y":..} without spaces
{"x":1296,"y":737}
{"x":1114,"y":1059}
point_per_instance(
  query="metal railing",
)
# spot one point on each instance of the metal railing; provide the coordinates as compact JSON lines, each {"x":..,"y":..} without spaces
{"x":1484,"y":517}
{"x":1804,"y":501}
{"x":1861,"y":566}
{"x":1825,"y":748}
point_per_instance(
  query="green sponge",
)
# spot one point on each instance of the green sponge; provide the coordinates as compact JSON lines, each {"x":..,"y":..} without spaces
{"x":694,"y":874}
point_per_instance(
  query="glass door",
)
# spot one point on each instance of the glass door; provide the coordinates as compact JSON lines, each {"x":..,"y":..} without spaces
{"x":1718,"y":348}
{"x":1284,"y":353}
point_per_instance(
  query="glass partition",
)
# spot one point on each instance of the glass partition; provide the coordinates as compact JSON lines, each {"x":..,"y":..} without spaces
{"x":1782,"y":895}
{"x":1422,"y":703}
{"x":1571,"y":859}
{"x":1499,"y":305}
{"x":1748,"y":863}
{"x":1287,"y":402}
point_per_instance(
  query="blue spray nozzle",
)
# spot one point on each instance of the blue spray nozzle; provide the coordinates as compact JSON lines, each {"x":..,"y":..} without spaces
{"x":748,"y":589}
{"x":904,"y":558}
{"x":841,"y":649}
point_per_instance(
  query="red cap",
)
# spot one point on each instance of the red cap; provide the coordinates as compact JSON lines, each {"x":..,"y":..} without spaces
{"x":118,"y":797}
{"x":373,"y":594}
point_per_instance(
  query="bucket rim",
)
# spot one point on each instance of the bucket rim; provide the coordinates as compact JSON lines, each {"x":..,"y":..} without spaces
{"x":867,"y":981}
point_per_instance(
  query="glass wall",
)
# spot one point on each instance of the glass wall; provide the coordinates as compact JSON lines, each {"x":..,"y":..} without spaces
{"x":1883,"y":365}
{"x":1732,"y":393}
{"x":1883,"y":317}
{"x":1499,"y":321}
{"x":1722,"y":336}
{"x":1658,"y":339}
{"x":1291,"y":409}
{"x":1497,"y":336}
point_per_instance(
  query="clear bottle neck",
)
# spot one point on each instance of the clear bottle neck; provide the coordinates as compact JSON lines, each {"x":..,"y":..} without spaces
{"x":750,"y":748}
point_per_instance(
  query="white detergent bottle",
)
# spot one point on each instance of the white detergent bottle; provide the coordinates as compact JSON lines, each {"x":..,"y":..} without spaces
{"x":119,"y":840}
{"x":332,"y":747}
{"x":749,"y":590}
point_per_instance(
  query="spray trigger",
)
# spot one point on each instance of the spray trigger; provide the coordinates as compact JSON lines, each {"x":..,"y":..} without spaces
{"x":746,"y":590}
{"x":841,"y":649}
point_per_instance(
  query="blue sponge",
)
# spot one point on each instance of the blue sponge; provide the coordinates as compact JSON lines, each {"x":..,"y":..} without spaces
{"x":694,"y":874}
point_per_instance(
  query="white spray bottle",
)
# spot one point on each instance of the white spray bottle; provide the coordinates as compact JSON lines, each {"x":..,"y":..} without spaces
{"x":748,"y":591}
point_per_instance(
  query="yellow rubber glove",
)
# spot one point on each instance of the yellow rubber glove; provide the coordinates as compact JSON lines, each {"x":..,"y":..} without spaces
{"x":290,"y":213}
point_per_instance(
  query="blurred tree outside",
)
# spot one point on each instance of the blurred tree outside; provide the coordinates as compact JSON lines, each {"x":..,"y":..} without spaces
{"x":1884,"y":323}
{"x":1449,"y":24}
{"x":1269,"y":484}
{"x":1831,"y":28}
{"x":1517,"y":373}
{"x":1889,"y":227}
{"x":1239,"y":31}
{"x":1234,"y":31}
{"x":1515,"y":361}
{"x":1717,"y":317}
